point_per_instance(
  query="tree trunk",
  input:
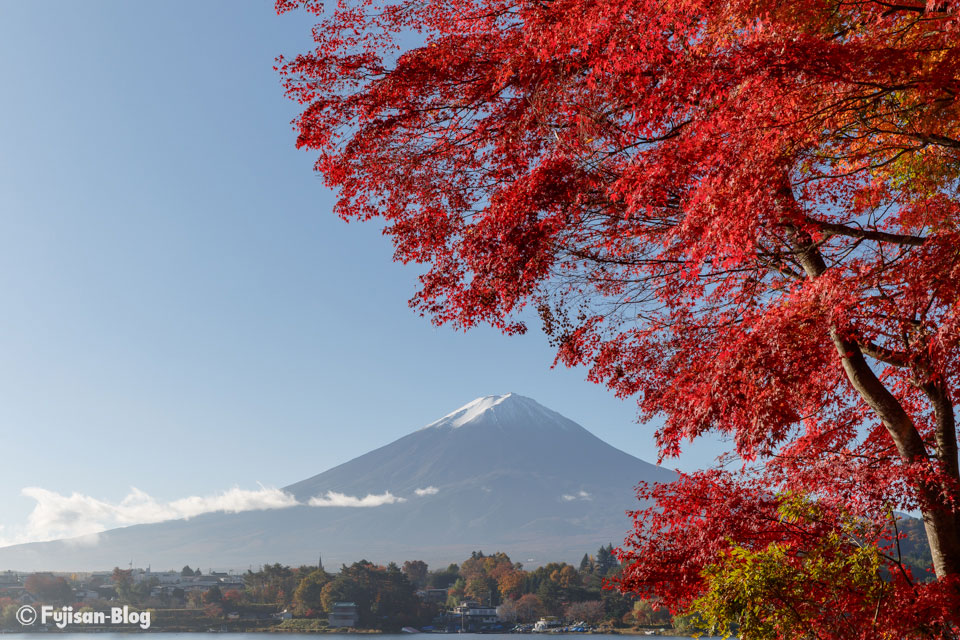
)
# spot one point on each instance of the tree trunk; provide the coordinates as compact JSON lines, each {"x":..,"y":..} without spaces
{"x":946,"y":551}
{"x":941,"y":522}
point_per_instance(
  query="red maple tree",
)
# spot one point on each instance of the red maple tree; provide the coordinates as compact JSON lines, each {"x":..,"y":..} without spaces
{"x":743,"y":214}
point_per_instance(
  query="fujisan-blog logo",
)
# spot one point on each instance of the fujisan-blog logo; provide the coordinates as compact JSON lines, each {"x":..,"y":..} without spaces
{"x":66,"y":616}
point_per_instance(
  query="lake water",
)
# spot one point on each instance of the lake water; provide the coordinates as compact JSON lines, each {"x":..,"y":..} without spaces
{"x":344,"y":636}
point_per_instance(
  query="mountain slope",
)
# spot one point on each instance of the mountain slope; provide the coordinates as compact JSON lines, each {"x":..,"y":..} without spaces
{"x":488,"y":438}
{"x":501,"y":473}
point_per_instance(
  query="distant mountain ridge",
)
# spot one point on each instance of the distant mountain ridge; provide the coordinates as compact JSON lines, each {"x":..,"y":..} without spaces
{"x":500,"y":473}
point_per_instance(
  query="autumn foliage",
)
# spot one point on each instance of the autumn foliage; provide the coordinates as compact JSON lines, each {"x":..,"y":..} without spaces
{"x":743,"y":214}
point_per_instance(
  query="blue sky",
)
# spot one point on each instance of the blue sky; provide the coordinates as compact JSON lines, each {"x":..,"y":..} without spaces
{"x":179,"y":310}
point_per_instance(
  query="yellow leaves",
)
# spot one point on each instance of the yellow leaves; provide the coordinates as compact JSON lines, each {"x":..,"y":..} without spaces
{"x":784,"y":591}
{"x":795,"y":507}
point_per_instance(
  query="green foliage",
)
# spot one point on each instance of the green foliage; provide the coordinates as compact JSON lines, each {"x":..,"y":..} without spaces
{"x":345,"y":589}
{"x":443,"y":578}
{"x":309,"y":593}
{"x":606,"y":561}
{"x":384,"y":596}
{"x":302,"y":625}
{"x":783,"y":592}
{"x":272,"y":584}
{"x":585,"y":563}
{"x":456,"y":592}
{"x":130,"y":592}
{"x":8,"y":618}
{"x":691,"y":623}
{"x":483,"y":589}
{"x":213,"y":595}
{"x":416,"y":572}
{"x":551,"y":595}
{"x":616,"y":604}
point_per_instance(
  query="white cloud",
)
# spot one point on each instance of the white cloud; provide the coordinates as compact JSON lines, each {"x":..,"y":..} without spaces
{"x":427,"y":491}
{"x":334,"y":499}
{"x":58,"y":516}
{"x":580,"y":495}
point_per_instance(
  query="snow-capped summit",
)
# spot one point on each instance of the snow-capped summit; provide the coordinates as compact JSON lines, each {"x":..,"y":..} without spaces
{"x":501,"y":473}
{"x":508,"y":409}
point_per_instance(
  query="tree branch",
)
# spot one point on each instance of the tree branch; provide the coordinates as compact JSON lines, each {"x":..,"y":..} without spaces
{"x":887,"y":356}
{"x":867,"y":234}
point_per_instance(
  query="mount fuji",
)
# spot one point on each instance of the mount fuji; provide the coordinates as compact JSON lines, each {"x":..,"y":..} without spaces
{"x":502,"y":473}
